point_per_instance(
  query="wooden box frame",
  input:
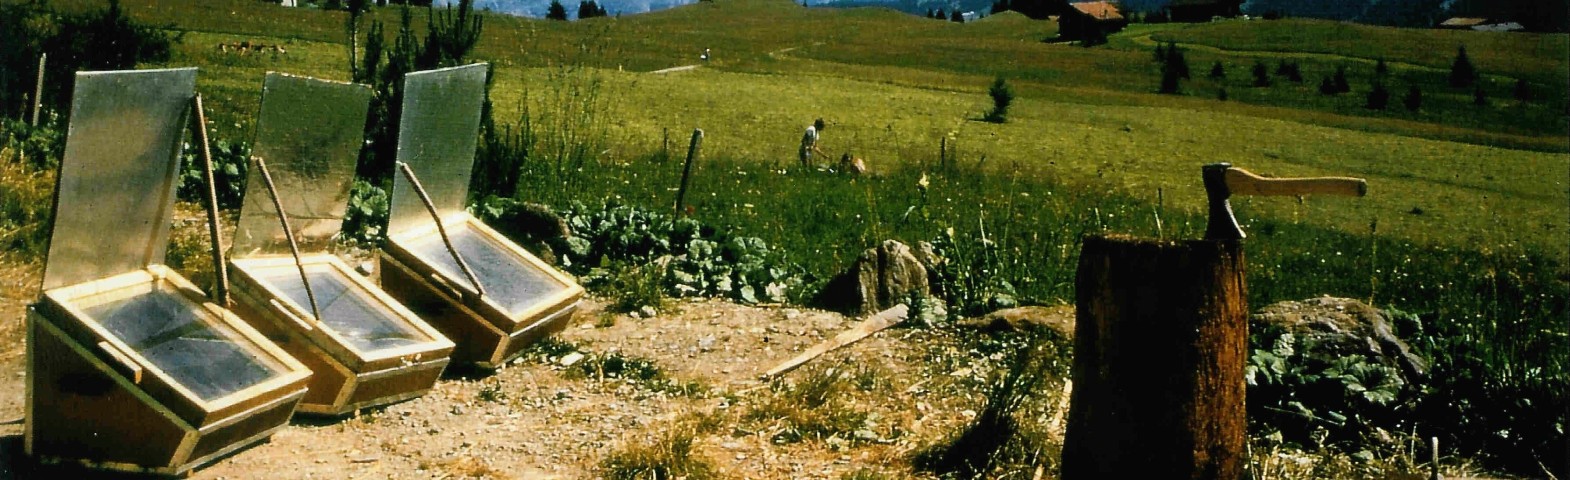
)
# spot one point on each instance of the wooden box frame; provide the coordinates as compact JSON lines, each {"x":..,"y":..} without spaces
{"x":94,"y":401}
{"x":486,"y":333}
{"x":345,"y":379}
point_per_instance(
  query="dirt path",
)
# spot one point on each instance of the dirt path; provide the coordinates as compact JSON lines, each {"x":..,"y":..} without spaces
{"x":682,"y":68}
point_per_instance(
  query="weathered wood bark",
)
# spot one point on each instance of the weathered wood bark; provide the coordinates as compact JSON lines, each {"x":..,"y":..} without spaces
{"x":1158,"y":361}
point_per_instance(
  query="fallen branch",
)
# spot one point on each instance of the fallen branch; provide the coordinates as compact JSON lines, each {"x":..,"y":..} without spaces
{"x":882,"y":320}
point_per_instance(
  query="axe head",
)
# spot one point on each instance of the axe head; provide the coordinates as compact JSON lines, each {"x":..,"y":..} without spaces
{"x":1223,"y":225}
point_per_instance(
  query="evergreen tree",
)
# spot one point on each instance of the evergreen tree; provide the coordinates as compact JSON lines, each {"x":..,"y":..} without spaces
{"x":1327,"y":87}
{"x":1217,"y":71}
{"x":1413,"y":99}
{"x":1002,"y":95}
{"x":1378,"y":97}
{"x":1462,"y":73}
{"x":1380,"y":69}
{"x":1479,"y":97}
{"x":1261,"y":75}
{"x":556,"y":11}
{"x":1176,"y":61}
{"x":1340,"y":80}
{"x":956,"y":17}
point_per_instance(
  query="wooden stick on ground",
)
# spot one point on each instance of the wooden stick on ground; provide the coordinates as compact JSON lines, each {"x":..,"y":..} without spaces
{"x":882,"y":320}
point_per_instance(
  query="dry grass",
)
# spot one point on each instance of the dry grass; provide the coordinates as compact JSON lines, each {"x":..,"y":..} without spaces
{"x":669,"y":454}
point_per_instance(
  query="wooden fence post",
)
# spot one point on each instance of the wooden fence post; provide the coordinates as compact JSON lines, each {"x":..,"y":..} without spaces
{"x":1159,"y":350}
{"x":38,"y":90}
{"x":686,"y":172}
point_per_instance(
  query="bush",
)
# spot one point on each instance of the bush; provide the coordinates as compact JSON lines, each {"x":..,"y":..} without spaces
{"x":1290,"y":70}
{"x":1340,"y":81}
{"x":1327,"y":87}
{"x":76,"y":41}
{"x":1378,"y":97}
{"x":1522,"y":90}
{"x":1221,"y":94}
{"x":1261,"y":75}
{"x":1217,"y":72}
{"x":1413,"y":99}
{"x":1479,"y":97}
{"x":230,"y":160}
{"x":1002,"y":95}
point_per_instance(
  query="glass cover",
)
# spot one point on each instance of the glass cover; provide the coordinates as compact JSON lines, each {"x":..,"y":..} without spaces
{"x":508,"y":281}
{"x":437,"y":137}
{"x":346,"y":309}
{"x":118,"y":173}
{"x":170,"y":331}
{"x":309,"y":132}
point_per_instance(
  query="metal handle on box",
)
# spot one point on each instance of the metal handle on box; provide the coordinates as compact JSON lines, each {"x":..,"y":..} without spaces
{"x":126,"y":364}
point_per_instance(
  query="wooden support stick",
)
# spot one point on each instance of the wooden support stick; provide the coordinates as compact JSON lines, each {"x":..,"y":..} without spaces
{"x":441,"y":230}
{"x":220,"y":270}
{"x":882,"y":320}
{"x":38,"y":90}
{"x":686,"y":172}
{"x":283,"y":218}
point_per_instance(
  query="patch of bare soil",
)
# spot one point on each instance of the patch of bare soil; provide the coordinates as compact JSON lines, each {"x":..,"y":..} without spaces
{"x":547,"y":416}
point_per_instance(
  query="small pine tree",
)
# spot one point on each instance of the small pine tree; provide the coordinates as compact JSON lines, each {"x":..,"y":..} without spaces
{"x":1176,"y":61}
{"x":1002,"y":95}
{"x":1341,"y":84}
{"x":956,"y":17}
{"x":1169,"y":79}
{"x":1218,"y":72}
{"x":1522,"y":90}
{"x":1261,"y":75}
{"x":556,"y":11}
{"x":939,"y":14}
{"x":1381,"y":69}
{"x":1413,"y":99}
{"x":1378,"y":97}
{"x":1479,"y":97}
{"x":1462,"y":73}
{"x":1327,"y":87}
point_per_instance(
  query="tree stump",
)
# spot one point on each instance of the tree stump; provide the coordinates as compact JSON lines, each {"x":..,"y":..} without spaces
{"x":1159,"y":350}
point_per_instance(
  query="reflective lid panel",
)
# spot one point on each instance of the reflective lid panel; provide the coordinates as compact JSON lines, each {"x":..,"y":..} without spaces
{"x":116,"y":189}
{"x":362,"y":321}
{"x":180,"y":338}
{"x":309,"y":132}
{"x":509,"y":281}
{"x":437,"y":138}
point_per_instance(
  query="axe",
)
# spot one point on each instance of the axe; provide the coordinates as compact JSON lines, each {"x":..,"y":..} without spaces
{"x":1222,"y":180}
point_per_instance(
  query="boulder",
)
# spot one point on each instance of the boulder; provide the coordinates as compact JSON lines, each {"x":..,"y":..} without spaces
{"x":1347,"y":327}
{"x":880,"y":278}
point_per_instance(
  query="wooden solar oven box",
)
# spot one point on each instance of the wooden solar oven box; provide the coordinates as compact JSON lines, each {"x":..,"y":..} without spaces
{"x":523,"y":298}
{"x":366,"y":349}
{"x":129,"y":366}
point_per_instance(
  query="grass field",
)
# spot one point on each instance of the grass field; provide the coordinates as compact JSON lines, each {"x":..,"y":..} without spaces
{"x":1466,"y":220}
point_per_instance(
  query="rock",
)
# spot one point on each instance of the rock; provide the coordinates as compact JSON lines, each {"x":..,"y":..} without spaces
{"x":880,"y":278}
{"x":1346,"y":327}
{"x":571,"y":359}
{"x":1059,"y":320}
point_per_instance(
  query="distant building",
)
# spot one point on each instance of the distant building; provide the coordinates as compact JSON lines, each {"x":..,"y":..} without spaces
{"x":968,"y":17}
{"x":1203,"y":10}
{"x":1480,"y":24}
{"x":1090,"y":21}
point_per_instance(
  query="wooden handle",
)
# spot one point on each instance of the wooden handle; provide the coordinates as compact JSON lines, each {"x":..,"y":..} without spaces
{"x":288,"y":313}
{"x":127,"y":366}
{"x":1243,"y":182}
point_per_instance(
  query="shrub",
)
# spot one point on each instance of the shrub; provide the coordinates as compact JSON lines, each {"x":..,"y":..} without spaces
{"x":1378,"y":97}
{"x":1522,"y":90}
{"x":1217,"y":72}
{"x":1290,"y":70}
{"x":1413,"y":99}
{"x":1002,"y":95}
{"x":1327,"y":87}
{"x":1221,"y":94}
{"x":1261,"y":75}
{"x":1479,"y":96}
{"x":1340,"y":80}
{"x":230,"y":160}
{"x":1462,"y":73}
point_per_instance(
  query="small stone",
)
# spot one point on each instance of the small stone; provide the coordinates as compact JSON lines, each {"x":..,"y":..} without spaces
{"x":456,"y":410}
{"x":706,"y":343}
{"x":569,"y":359}
{"x":647,"y":311}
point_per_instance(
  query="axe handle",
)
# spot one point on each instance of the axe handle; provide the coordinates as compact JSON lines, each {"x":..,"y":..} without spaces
{"x":1243,"y":182}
